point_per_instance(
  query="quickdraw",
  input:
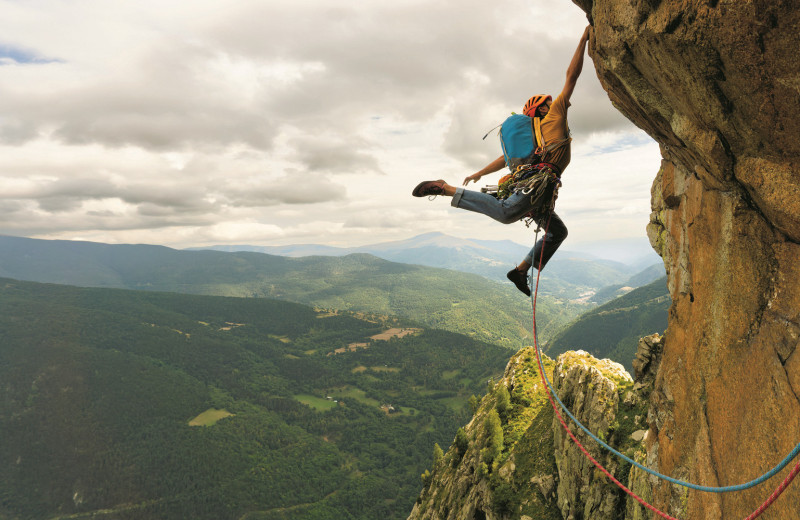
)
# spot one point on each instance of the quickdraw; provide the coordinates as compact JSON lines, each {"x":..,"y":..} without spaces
{"x":525,"y":178}
{"x":543,"y":190}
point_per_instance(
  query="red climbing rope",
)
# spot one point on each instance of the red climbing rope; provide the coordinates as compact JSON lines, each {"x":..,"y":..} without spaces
{"x":558,"y":414}
{"x":776,"y":493}
{"x":772,"y":498}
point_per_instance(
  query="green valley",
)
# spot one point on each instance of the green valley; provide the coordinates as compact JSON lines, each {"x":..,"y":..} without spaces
{"x":613,"y":329}
{"x":133,"y":404}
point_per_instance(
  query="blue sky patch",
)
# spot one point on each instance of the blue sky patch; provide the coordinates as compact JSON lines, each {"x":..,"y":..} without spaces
{"x":627,"y":142}
{"x":12,"y":54}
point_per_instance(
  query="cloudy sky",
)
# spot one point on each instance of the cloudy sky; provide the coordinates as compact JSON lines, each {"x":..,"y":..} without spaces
{"x":274,"y":122}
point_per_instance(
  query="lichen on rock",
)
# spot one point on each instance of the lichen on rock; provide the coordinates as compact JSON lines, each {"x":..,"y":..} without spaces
{"x":517,"y":481}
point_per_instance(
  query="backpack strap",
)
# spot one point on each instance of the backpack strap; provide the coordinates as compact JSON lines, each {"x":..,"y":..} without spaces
{"x":545,"y":148}
{"x":537,"y":130}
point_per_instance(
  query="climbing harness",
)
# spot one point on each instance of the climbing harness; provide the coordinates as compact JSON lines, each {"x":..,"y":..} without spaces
{"x":525,"y":152}
{"x":540,"y":180}
{"x":553,"y":397}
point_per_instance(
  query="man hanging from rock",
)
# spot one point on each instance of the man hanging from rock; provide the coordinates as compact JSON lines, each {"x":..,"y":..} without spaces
{"x":536,"y":148}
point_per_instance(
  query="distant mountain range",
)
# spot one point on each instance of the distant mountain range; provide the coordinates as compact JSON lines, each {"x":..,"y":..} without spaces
{"x":570,"y":274}
{"x":649,"y":275}
{"x":440,"y":298}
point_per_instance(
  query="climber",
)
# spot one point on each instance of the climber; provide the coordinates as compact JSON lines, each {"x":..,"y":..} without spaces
{"x":552,"y":155}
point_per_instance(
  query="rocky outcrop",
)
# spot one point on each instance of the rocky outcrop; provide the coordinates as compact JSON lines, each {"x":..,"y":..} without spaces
{"x":716,"y":84}
{"x":647,"y":360}
{"x":475,"y":480}
{"x":535,"y":471}
{"x":598,"y":393}
{"x":645,"y":365}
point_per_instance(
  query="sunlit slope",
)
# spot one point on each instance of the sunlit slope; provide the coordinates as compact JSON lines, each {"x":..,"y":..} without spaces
{"x":441,"y":298}
{"x":613,"y":329}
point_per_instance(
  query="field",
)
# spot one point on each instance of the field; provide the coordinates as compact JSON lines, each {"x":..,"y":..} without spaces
{"x":317,"y":403}
{"x":210,"y":417}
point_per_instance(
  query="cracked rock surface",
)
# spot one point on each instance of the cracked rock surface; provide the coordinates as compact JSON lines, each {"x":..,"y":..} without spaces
{"x":716,"y":84}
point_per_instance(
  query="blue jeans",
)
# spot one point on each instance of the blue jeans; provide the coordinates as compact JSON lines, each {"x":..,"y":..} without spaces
{"x":511,"y":210}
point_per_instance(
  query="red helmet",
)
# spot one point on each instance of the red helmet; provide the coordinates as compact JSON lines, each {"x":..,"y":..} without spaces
{"x":533,"y":103}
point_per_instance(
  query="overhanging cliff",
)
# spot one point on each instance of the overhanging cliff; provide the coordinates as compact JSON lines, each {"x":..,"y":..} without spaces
{"x":716,"y":84}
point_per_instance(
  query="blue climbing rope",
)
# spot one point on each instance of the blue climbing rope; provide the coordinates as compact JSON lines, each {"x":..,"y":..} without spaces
{"x":711,"y":489}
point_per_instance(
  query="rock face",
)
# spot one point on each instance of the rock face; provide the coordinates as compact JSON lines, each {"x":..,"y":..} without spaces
{"x":647,"y":359}
{"x":535,"y":471}
{"x":591,"y":390}
{"x":716,"y":84}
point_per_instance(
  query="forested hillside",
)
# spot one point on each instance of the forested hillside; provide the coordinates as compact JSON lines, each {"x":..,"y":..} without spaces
{"x":130,"y":404}
{"x":570,"y":275}
{"x":613,"y":330}
{"x":645,"y":277}
{"x":438,"y":298}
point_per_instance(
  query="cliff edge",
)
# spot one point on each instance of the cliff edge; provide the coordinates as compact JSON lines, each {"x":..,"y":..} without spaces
{"x":513,"y":461}
{"x":716,"y":84}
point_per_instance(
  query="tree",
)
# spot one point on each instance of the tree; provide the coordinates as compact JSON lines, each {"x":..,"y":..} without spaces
{"x":503,"y":402}
{"x":438,"y":456}
{"x":494,"y":438}
{"x":461,"y":444}
{"x":473,"y":404}
{"x":426,"y":478}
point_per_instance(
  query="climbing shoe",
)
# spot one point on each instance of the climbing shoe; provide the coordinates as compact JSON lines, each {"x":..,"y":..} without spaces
{"x":519,"y":279}
{"x":427,"y":188}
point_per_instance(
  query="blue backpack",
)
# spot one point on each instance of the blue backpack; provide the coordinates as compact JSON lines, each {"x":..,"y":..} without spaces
{"x":518,"y":139}
{"x":523,"y":144}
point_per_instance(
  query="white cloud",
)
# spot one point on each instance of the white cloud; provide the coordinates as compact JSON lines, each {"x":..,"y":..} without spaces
{"x":284,"y":121}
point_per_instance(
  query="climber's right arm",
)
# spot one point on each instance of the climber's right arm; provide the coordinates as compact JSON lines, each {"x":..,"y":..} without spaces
{"x":496,"y":165}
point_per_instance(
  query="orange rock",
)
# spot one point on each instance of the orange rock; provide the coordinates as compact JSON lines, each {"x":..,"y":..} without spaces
{"x":715,"y":83}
